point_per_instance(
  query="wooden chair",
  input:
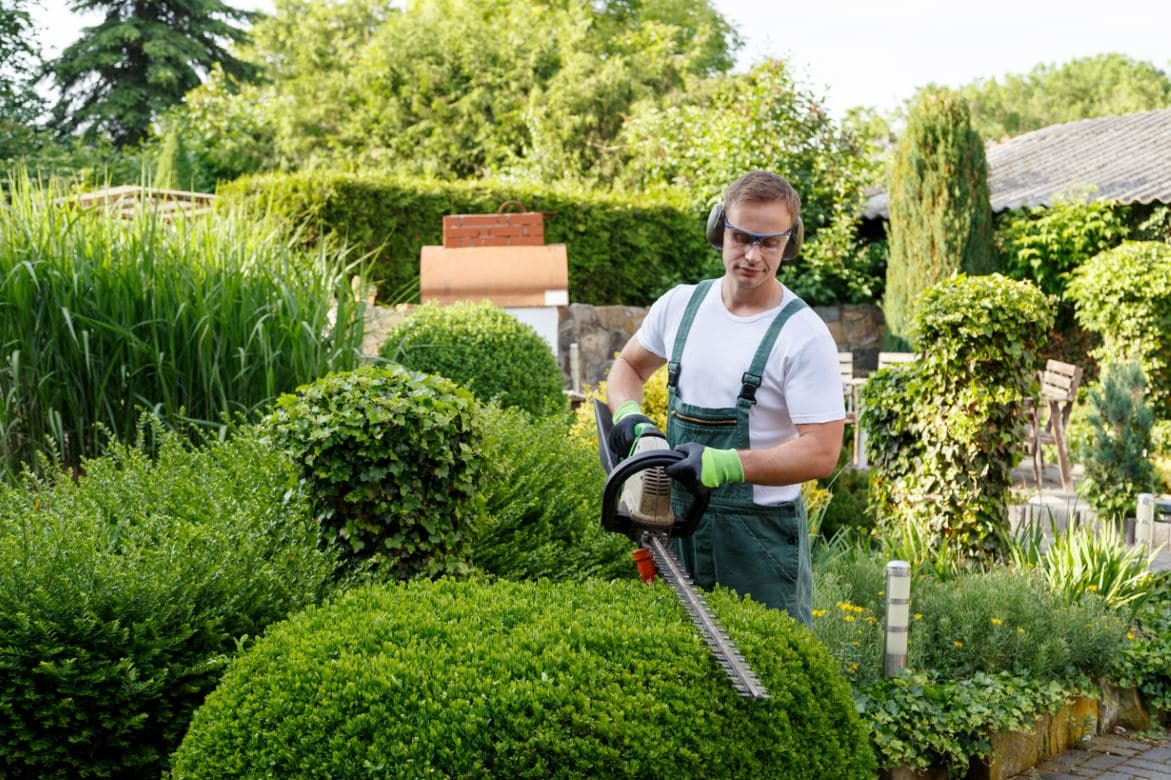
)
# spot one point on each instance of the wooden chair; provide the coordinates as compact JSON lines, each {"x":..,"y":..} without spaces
{"x":850,"y":387}
{"x":1049,"y":417}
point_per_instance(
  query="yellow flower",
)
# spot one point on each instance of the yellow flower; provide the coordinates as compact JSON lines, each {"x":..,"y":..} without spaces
{"x":918,"y":616}
{"x":818,"y":612}
{"x":881,"y":593}
{"x":1130,"y":635}
{"x":957,"y":643}
{"x":1020,"y":630}
{"x":848,"y":618}
{"x":1091,"y":587}
{"x":871,"y":619}
{"x":996,"y":621}
{"x":853,"y":667}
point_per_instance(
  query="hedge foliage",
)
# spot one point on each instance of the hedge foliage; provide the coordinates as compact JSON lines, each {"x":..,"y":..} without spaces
{"x":483,"y":348}
{"x":391,"y":460}
{"x":1124,"y":296}
{"x":622,"y":250}
{"x":123,"y":593}
{"x":464,"y":679}
{"x":944,"y":431}
{"x":542,"y":490}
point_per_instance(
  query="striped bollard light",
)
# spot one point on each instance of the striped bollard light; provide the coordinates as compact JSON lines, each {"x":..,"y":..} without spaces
{"x":1144,"y":522}
{"x":898,"y":617}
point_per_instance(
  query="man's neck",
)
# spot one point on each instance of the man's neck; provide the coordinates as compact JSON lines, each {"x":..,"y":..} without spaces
{"x":747,"y":301}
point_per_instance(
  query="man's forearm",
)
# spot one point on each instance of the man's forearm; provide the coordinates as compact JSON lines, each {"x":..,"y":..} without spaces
{"x":812,"y":455}
{"x":623,"y":384}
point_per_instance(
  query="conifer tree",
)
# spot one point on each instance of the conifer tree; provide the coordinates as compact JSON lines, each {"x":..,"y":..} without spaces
{"x":940,"y":213}
{"x":141,"y":59}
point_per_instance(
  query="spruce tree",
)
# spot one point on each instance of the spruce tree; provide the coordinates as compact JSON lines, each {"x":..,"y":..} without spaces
{"x":141,"y":59}
{"x":940,"y":213}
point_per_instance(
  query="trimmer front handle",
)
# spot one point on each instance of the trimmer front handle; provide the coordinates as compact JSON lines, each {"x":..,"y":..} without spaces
{"x":614,"y":520}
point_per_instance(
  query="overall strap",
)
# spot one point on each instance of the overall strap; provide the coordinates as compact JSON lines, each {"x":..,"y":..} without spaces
{"x":673,"y":366}
{"x":755,"y":374}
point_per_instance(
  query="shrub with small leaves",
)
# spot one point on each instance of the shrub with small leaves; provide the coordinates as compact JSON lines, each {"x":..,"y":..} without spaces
{"x":391,"y":459}
{"x":525,"y":680}
{"x":1124,"y":296}
{"x":124,"y":592}
{"x":483,"y":348}
{"x":542,"y":490}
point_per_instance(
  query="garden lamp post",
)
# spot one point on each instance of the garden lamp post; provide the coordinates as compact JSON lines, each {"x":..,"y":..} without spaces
{"x":898,"y":614}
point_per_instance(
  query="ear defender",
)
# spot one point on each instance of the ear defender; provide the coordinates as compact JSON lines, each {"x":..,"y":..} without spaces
{"x":715,"y":233}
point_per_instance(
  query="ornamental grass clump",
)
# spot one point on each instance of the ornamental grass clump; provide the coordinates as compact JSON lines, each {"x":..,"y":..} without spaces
{"x":193,"y":319}
{"x":124,"y":592}
{"x":391,"y":459}
{"x":524,"y":680}
{"x":483,"y":348}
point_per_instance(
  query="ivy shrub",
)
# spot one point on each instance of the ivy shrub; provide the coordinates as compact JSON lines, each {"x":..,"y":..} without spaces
{"x":542,"y":491}
{"x":1116,"y":453}
{"x":465,"y":679}
{"x":1146,"y":660}
{"x":1046,"y":244}
{"x":945,"y":430}
{"x":391,"y":460}
{"x":483,"y":348}
{"x":623,"y":249}
{"x":1124,"y":296}
{"x":124,"y":592}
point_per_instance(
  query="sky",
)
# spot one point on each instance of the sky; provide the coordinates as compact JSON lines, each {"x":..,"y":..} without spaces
{"x":861,"y":53}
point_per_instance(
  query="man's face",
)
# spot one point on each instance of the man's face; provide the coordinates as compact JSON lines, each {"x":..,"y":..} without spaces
{"x":748,"y":262}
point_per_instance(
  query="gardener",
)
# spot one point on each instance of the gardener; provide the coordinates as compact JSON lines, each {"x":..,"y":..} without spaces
{"x":754,"y":399}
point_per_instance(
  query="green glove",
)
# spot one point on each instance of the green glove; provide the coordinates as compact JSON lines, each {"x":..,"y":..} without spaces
{"x":629,"y":424}
{"x":706,"y":466}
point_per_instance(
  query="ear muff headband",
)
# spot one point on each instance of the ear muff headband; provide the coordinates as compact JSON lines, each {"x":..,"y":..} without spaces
{"x":715,"y":233}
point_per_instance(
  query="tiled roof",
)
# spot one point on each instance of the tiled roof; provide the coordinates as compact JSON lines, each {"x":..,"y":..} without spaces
{"x":1124,"y":158}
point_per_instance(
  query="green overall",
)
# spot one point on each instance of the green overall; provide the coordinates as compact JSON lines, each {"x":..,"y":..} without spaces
{"x":756,"y":550}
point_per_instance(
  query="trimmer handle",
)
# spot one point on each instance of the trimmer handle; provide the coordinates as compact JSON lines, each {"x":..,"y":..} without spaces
{"x":613,"y":520}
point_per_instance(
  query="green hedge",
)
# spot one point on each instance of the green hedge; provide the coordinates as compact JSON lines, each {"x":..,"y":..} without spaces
{"x":1124,"y":296}
{"x":622,"y":250}
{"x":483,"y":348}
{"x":123,"y":593}
{"x":542,"y":680}
{"x":543,"y":493}
{"x":391,"y":459}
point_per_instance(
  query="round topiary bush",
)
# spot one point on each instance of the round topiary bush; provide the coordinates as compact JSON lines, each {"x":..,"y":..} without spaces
{"x":392,"y":461}
{"x":485,"y":349}
{"x":466,"y":679}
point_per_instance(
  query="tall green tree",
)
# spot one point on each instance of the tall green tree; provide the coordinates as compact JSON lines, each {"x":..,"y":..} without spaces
{"x":141,"y":59}
{"x":940,"y":212}
{"x":1102,"y":85}
{"x":19,"y":65}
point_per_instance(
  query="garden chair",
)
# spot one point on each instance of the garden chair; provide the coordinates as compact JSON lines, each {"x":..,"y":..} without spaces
{"x":850,"y":387}
{"x":889,"y":358}
{"x":1049,"y":418}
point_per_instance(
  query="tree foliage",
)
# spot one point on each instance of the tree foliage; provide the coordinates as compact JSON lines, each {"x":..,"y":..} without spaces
{"x":140,"y":60}
{"x":19,"y":63}
{"x":940,"y":217}
{"x":1102,"y":85}
{"x":467,"y":88}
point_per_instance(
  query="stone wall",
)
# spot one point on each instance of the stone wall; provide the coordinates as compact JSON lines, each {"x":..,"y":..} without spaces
{"x":601,"y":331}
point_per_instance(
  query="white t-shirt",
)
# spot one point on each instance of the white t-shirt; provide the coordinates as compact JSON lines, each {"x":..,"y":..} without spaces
{"x":802,"y":380}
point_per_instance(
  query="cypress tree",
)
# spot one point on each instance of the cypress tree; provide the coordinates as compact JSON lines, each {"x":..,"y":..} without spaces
{"x":940,"y":213}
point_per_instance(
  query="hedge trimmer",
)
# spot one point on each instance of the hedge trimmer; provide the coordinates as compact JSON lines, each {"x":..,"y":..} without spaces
{"x":636,"y":501}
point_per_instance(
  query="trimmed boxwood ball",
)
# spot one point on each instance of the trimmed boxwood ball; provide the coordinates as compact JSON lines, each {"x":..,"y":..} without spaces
{"x":484,"y":348}
{"x":391,"y":459}
{"x":518,"y":680}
